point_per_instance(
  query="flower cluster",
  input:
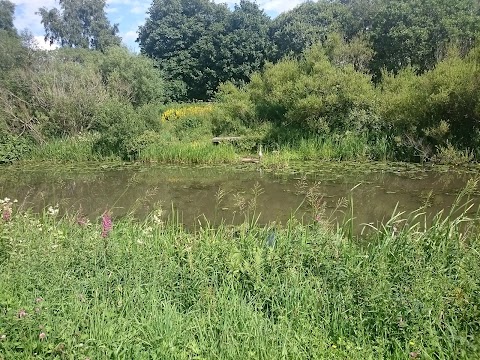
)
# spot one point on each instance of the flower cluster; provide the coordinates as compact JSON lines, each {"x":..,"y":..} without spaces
{"x":6,"y":206}
{"x":178,"y":113}
{"x":52,"y":210}
{"x":107,"y":224}
{"x":157,"y":217}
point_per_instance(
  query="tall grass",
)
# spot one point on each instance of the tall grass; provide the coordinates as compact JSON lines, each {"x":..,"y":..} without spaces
{"x":71,"y":149}
{"x":152,"y":289}
{"x":200,"y":152}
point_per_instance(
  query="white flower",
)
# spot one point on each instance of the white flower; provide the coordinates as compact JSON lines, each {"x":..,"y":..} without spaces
{"x":157,"y":217}
{"x":52,"y":211}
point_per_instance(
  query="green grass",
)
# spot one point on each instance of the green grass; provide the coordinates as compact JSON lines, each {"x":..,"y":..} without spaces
{"x":72,"y":149}
{"x":199,"y":152}
{"x":348,"y":147}
{"x":153,"y":290}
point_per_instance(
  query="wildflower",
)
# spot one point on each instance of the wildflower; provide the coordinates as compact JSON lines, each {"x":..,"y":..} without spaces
{"x":22,"y":313}
{"x":3,"y":337}
{"x":52,"y":211}
{"x":42,"y":336}
{"x":414,"y":354}
{"x":107,"y":224}
{"x":38,"y":299}
{"x":157,"y":217}
{"x":7,"y":214}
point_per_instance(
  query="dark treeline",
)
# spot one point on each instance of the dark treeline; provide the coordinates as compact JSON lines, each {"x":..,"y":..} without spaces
{"x":401,"y":75}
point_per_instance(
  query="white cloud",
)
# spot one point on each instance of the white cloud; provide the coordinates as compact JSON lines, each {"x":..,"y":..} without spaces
{"x":44,"y":45}
{"x":279,"y":6}
{"x":274,"y":7}
{"x":25,"y":17}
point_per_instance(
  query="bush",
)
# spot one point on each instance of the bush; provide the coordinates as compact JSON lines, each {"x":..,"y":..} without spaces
{"x":437,"y":109}
{"x":310,"y":94}
{"x":119,"y":126}
{"x":12,"y":147}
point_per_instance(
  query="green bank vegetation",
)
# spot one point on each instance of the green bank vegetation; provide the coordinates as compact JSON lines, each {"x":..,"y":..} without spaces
{"x":328,"y":80}
{"x":125,"y":289}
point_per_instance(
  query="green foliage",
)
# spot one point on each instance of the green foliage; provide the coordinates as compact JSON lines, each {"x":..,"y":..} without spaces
{"x":207,"y":43}
{"x":437,"y":108}
{"x":418,"y":32}
{"x":311,"y":93}
{"x":234,"y":112}
{"x":315,"y":293}
{"x":308,"y":24}
{"x":132,"y":77}
{"x":80,"y":24}
{"x":119,"y":127}
{"x":12,"y":148}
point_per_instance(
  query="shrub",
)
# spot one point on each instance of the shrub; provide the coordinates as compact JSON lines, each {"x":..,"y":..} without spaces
{"x":119,"y":126}
{"x":437,"y":108}
{"x":12,"y":147}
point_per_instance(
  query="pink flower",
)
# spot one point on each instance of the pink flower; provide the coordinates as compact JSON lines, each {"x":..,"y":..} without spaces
{"x":22,"y":313}
{"x":42,"y":336}
{"x":107,"y":224}
{"x":7,"y":214}
{"x":38,"y":299}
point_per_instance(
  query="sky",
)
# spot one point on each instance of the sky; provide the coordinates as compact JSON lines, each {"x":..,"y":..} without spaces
{"x":129,"y":14}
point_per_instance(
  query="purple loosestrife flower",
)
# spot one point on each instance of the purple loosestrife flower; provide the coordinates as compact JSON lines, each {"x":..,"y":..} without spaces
{"x":7,"y":214}
{"x":107,"y":224}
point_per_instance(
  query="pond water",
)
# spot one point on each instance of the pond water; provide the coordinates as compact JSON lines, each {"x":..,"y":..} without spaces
{"x":198,"y":194}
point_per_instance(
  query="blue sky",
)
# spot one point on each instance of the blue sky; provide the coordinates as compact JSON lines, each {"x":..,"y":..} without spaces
{"x":129,"y":14}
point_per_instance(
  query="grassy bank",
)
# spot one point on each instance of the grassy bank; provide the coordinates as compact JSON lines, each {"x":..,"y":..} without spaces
{"x":151,"y":289}
{"x":349,"y":147}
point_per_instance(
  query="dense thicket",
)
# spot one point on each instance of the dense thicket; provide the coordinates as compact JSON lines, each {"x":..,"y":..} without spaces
{"x":403,"y":76}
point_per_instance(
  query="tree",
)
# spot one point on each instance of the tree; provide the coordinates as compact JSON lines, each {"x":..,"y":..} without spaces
{"x":201,"y":43}
{"x":246,"y":44}
{"x":309,"y":23}
{"x":7,"y":11}
{"x":185,"y":37}
{"x":418,"y":32}
{"x":80,"y":24}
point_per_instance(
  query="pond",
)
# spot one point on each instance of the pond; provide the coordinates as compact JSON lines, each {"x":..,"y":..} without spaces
{"x":198,"y":194}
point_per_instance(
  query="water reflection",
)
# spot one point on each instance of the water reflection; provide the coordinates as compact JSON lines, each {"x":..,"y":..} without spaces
{"x":223,"y":193}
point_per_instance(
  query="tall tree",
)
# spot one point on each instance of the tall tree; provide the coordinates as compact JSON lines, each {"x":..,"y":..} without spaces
{"x":246,"y":44}
{"x":307,"y":24}
{"x":202,"y":43}
{"x":80,"y":24}
{"x":184,"y":37}
{"x":418,"y":32}
{"x":7,"y":11}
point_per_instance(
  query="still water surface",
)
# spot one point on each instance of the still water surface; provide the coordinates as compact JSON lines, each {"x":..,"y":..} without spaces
{"x":222,"y":192}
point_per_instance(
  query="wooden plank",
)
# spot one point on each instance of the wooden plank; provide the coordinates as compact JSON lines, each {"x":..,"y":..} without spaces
{"x":218,"y":140}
